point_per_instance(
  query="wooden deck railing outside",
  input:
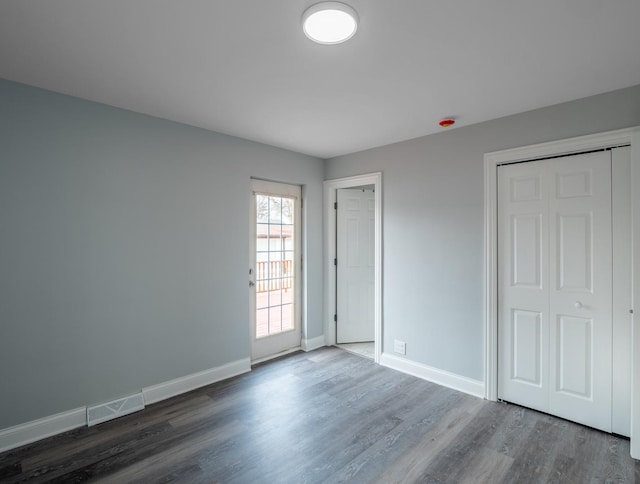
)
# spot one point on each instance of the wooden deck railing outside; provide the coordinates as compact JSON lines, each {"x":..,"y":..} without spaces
{"x":274,"y":275}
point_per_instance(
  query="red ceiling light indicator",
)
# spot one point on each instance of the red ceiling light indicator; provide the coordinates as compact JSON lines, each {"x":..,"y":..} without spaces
{"x":446,"y":123}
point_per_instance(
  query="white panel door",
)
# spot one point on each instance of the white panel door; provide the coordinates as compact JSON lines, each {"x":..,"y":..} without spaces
{"x":555,"y":287}
{"x":355,"y":259}
{"x":581,"y":288}
{"x":523,"y":244}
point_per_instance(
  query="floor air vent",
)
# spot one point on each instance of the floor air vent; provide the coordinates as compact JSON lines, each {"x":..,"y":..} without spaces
{"x":117,"y":408}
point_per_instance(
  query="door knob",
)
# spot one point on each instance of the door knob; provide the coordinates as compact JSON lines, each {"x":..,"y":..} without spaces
{"x":251,"y":283}
{"x":578,"y":305}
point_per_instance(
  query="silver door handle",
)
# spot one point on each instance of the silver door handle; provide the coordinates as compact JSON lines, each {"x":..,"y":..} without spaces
{"x":578,"y":305}
{"x":251,"y":283}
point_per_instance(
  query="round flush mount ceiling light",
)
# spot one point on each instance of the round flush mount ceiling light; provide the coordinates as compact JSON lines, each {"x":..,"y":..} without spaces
{"x":330,"y":22}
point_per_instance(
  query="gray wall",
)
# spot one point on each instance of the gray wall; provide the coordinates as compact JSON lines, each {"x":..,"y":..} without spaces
{"x":124,"y":249}
{"x":433,"y":222}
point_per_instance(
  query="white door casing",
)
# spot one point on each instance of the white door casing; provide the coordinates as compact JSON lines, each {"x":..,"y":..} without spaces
{"x":622,"y":290}
{"x":355,"y":265}
{"x":555,"y":327}
{"x":330,"y":215}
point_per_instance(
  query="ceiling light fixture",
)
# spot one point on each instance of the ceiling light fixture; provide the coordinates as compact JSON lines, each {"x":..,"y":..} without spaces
{"x":330,"y":22}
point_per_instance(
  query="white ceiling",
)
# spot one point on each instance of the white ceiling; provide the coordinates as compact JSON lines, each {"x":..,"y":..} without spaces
{"x":244,"y":67}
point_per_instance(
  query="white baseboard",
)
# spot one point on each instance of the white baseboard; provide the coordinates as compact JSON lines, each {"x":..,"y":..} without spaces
{"x":28,"y":432}
{"x":441,"y":377}
{"x":313,"y":343}
{"x":42,"y":428}
{"x":171,"y":388}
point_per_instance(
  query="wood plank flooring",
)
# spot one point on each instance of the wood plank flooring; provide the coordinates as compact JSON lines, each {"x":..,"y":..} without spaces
{"x":326,"y":417}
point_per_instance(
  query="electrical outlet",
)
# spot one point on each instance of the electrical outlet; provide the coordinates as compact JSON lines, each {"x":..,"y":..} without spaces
{"x":400,"y":347}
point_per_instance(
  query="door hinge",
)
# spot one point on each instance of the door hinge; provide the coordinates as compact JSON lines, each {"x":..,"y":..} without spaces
{"x":335,"y":262}
{"x":335,"y":205}
{"x":301,"y":203}
{"x":335,"y":318}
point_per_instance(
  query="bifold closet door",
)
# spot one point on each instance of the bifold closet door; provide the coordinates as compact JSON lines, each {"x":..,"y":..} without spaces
{"x":555,"y":286}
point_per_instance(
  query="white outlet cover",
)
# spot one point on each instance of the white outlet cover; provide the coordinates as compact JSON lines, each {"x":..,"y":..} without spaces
{"x":400,"y":347}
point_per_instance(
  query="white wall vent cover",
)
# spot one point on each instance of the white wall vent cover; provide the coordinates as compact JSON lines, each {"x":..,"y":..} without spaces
{"x":117,"y":408}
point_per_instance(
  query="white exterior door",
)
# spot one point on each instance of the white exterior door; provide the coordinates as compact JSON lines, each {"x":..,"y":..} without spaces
{"x":355,"y":265}
{"x":555,"y":286}
{"x":274,"y":273}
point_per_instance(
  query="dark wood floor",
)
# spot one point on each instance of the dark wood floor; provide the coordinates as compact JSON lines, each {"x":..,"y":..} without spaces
{"x":326,"y":416}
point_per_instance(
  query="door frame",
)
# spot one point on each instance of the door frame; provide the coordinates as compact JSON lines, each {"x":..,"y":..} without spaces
{"x":610,"y":139}
{"x":330,"y":218}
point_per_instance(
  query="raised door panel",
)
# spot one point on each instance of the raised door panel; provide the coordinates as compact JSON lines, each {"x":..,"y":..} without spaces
{"x":352,"y":242}
{"x":526,"y":251}
{"x":526,"y":344}
{"x":525,"y":188}
{"x":574,"y":252}
{"x":574,"y":371}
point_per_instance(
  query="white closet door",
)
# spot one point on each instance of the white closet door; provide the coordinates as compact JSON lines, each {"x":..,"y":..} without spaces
{"x":523,"y":245}
{"x":555,"y":286}
{"x":581,"y":288}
